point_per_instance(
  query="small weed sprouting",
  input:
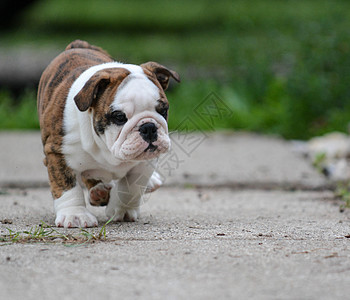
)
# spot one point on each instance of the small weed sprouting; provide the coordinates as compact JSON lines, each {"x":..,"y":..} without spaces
{"x":319,"y":161}
{"x":39,"y":233}
{"x":343,"y":193}
{"x":47,"y":234}
{"x":11,"y":236}
{"x":103,"y":234}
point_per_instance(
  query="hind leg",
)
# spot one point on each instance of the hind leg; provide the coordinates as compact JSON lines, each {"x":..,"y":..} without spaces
{"x":99,"y":192}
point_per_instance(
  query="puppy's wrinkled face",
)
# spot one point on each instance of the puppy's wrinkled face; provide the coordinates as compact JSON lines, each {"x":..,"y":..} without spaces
{"x":129,"y":113}
{"x":138,"y":117}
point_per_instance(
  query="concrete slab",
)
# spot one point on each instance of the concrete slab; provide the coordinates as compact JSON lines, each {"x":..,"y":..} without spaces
{"x":188,"y":244}
{"x":231,"y":160}
{"x":237,"y":160}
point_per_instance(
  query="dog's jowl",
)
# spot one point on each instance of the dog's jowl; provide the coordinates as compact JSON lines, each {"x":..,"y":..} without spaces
{"x":103,"y":126}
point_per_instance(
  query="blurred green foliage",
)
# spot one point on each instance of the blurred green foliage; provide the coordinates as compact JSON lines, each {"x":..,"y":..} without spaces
{"x":22,"y":115}
{"x":282,"y":66}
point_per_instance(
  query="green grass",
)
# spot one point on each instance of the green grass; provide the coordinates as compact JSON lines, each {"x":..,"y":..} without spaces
{"x":282,"y":67}
{"x":44,"y":233}
{"x":18,"y":113}
{"x":342,"y":192}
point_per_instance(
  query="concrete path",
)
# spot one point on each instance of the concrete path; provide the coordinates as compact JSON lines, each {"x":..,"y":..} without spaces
{"x":238,"y":160}
{"x":241,"y":217}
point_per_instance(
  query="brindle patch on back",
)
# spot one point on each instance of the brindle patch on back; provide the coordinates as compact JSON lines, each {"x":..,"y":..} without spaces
{"x":53,"y":90}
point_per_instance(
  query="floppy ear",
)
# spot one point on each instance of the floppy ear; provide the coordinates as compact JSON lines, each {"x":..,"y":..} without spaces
{"x":92,"y":90}
{"x":96,"y":85}
{"x":162,"y":73}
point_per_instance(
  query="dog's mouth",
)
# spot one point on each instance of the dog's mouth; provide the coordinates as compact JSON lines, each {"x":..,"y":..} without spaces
{"x":136,"y":148}
{"x":151,"y":148}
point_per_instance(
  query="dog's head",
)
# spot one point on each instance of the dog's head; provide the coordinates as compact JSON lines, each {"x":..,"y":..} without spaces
{"x":129,"y":109}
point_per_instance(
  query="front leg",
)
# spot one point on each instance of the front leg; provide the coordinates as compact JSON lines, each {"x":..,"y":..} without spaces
{"x":126,"y":194}
{"x":71,"y":210}
{"x":154,"y":182}
{"x":69,"y":200}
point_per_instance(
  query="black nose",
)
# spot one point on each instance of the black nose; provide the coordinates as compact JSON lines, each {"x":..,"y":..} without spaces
{"x":148,"y":132}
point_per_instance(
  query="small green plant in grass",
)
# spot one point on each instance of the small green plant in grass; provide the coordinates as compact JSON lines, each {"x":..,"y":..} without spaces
{"x":343,"y":193}
{"x":47,"y":234}
{"x":41,"y":233}
{"x":11,"y":236}
{"x":102,"y":234}
{"x":319,"y":161}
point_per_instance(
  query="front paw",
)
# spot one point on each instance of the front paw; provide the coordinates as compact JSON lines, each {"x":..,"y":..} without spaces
{"x":121,"y":214}
{"x":75,"y":217}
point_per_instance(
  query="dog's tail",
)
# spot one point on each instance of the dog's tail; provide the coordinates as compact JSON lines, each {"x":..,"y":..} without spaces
{"x":79,"y":44}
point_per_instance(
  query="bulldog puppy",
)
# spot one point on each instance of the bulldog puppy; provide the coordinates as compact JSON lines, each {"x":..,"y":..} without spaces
{"x":103,"y":126}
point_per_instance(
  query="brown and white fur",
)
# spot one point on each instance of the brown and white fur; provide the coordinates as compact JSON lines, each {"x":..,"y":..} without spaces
{"x":103,"y":125}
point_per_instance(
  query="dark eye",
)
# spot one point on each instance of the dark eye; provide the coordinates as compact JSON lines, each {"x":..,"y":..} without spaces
{"x":118,"y":117}
{"x":163,"y":112}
